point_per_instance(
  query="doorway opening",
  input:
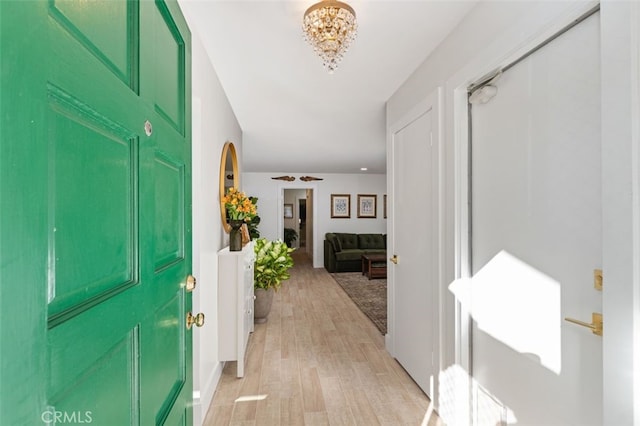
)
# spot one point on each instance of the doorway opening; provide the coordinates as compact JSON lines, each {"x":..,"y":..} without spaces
{"x":297,"y":227}
{"x":302,"y":221}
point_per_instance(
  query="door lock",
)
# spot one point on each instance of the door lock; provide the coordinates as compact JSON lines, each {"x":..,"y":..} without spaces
{"x":198,"y":320}
{"x":394,"y":259}
{"x":148,"y":128}
{"x":191,"y":283}
{"x":597,"y":279}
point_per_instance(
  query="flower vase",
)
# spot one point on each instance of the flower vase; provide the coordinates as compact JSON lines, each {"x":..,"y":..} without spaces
{"x":235,"y":235}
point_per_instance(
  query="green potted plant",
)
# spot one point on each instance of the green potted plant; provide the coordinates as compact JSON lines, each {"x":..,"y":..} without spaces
{"x":272,"y":264}
{"x":290,"y":235}
{"x":254,"y":233}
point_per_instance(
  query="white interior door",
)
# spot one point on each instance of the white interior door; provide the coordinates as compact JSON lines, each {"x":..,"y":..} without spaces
{"x":537,"y":234}
{"x":414,"y":240}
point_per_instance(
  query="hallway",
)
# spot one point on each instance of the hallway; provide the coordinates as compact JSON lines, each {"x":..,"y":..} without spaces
{"x":317,"y":361}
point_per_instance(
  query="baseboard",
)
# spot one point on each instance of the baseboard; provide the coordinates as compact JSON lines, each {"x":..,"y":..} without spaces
{"x":202,"y":402}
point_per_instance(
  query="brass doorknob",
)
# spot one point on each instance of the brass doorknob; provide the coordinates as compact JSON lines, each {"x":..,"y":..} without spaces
{"x":394,"y":259}
{"x":198,"y":320}
{"x":191,"y":283}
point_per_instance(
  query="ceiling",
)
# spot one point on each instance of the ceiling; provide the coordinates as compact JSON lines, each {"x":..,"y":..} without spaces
{"x":295,"y":116}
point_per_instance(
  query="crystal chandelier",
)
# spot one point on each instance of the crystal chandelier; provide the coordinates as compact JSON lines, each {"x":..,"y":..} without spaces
{"x":330,"y":26}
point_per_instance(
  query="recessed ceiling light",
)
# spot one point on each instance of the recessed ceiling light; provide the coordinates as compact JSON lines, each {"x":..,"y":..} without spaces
{"x":364,"y":169}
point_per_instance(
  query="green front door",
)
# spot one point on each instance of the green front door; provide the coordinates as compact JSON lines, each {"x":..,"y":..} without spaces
{"x":95,"y":217}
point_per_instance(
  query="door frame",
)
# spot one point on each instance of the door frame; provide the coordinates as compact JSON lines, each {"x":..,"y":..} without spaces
{"x":620,"y":38}
{"x":620,"y":65}
{"x":280,"y":197}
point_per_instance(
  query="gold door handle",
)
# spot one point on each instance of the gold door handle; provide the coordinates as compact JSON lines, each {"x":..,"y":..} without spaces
{"x":394,"y":259}
{"x":595,"y":326}
{"x":198,"y":320}
{"x":191,"y":283}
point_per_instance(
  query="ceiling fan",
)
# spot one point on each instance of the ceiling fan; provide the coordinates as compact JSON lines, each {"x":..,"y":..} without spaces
{"x":287,"y":178}
{"x":309,"y":178}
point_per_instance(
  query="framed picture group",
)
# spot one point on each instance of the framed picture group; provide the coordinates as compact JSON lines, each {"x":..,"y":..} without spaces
{"x":367,"y":206}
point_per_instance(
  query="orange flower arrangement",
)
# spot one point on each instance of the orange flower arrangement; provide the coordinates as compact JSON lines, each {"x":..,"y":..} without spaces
{"x":239,"y":206}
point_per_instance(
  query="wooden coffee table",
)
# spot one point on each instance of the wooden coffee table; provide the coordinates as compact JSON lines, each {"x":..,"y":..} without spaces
{"x":374,"y":265}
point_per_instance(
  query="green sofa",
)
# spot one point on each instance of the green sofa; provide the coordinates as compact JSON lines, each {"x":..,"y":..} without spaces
{"x":343,"y":251}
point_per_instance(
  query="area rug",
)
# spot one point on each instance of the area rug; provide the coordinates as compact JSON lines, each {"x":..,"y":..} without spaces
{"x":369,"y":295}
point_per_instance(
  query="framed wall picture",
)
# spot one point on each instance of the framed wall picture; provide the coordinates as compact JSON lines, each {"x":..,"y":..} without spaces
{"x":340,"y":206}
{"x":367,"y":205}
{"x":288,"y":211}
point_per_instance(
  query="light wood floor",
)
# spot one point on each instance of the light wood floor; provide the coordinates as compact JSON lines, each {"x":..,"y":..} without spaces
{"x":317,"y":361}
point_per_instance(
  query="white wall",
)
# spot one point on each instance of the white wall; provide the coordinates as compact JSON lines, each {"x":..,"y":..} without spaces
{"x":492,"y":34}
{"x":214,"y":123}
{"x":270,"y":202}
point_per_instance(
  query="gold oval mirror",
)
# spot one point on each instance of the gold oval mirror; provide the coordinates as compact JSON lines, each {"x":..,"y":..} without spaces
{"x":228,"y":178}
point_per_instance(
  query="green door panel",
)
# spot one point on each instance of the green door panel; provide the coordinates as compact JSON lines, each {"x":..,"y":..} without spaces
{"x":109,"y":30}
{"x":169,"y":177}
{"x":94,"y":237}
{"x":106,"y":391}
{"x":168,"y":82}
{"x":95,"y":218}
{"x":165,"y":371}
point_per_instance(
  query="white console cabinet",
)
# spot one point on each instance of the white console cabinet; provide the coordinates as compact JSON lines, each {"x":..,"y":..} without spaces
{"x":235,"y":303}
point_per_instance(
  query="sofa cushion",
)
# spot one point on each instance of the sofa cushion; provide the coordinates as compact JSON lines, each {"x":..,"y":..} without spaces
{"x":371,"y":241}
{"x":348,"y":241}
{"x":349,"y":254}
{"x":335,"y":242}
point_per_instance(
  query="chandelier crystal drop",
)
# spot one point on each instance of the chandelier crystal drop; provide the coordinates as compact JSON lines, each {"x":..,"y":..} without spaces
{"x":330,"y":26}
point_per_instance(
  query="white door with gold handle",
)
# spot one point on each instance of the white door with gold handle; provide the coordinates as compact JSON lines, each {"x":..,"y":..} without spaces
{"x":413,"y":287}
{"x":535,"y":203}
